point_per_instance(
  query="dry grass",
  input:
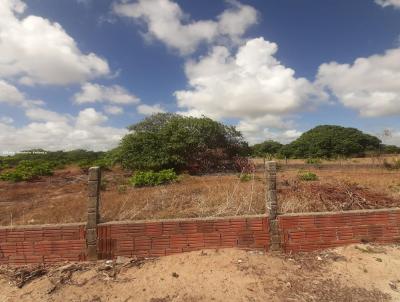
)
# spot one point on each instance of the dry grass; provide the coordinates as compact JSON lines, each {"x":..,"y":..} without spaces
{"x":62,"y":197}
{"x":339,"y":190}
{"x":192,"y":196}
{"x":356,"y":161}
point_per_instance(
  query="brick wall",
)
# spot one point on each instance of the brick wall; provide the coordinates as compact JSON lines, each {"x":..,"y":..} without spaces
{"x":299,"y":232}
{"x":42,"y":244}
{"x":167,"y":237}
{"x":313,"y":231}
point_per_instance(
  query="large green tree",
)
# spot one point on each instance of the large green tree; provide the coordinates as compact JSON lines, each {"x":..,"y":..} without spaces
{"x":329,"y":141}
{"x":266,"y":148}
{"x":167,"y":140}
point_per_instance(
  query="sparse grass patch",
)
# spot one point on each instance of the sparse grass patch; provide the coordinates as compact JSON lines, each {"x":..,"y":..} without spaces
{"x":245,"y":177}
{"x":122,"y":189}
{"x":313,"y":161}
{"x":307,"y":176}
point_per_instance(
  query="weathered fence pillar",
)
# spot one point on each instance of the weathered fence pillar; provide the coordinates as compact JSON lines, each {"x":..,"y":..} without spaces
{"x":272,"y":206}
{"x":93,"y":212}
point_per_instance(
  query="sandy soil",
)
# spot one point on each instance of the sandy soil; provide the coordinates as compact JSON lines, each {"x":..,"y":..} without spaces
{"x":353,"y":273}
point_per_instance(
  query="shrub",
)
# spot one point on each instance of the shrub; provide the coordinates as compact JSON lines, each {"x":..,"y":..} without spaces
{"x":151,"y":178}
{"x":245,"y":177}
{"x":85,"y":164}
{"x":307,"y":176}
{"x":28,"y":170}
{"x":171,"y":141}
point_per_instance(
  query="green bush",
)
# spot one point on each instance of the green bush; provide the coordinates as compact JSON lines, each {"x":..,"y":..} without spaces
{"x":28,"y":170}
{"x":150,"y":178}
{"x":245,"y":177}
{"x":266,"y":149}
{"x":171,"y":141}
{"x":85,"y":164}
{"x":307,"y":176}
{"x":313,"y":161}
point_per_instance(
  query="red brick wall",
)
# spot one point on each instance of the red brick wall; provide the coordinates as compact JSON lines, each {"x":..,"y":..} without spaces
{"x":172,"y":236}
{"x":42,"y":244}
{"x":299,"y":232}
{"x":313,"y":231}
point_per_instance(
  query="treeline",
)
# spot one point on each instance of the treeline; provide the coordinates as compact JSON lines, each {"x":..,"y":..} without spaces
{"x":31,"y":164}
{"x":326,"y":141}
{"x":168,"y":141}
{"x":80,"y":157}
{"x":159,"y":143}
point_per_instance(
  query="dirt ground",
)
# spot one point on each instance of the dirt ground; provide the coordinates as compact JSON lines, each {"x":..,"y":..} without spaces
{"x":61,"y":198}
{"x":353,"y":273}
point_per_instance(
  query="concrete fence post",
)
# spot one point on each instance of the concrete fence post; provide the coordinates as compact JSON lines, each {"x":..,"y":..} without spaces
{"x":272,"y":206}
{"x":94,"y":180}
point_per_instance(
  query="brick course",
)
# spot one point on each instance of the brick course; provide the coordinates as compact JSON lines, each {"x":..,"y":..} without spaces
{"x":168,"y":237}
{"x":314,"y":231}
{"x":42,"y":244}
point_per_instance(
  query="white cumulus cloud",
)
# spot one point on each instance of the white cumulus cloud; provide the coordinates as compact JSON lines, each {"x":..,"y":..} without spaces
{"x":113,"y":110}
{"x":35,"y":50}
{"x":54,"y":131}
{"x":115,"y":94}
{"x":251,"y":85}
{"x":167,"y":23}
{"x":369,"y":85}
{"x":385,"y":3}
{"x":40,"y":114}
{"x":13,"y":96}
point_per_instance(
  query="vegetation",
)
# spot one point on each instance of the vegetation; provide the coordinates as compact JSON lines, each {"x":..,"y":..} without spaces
{"x":326,"y":141}
{"x":197,"y":145}
{"x":245,"y":177}
{"x":150,"y":178}
{"x":56,"y":158}
{"x":331,"y":141}
{"x":390,"y":149}
{"x":307,"y":176}
{"x":313,"y":161}
{"x":172,"y":141}
{"x":267,"y":148}
{"x":31,"y":164}
{"x":28,"y":170}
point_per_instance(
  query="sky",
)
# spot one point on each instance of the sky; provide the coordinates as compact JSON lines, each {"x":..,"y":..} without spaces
{"x":75,"y":73}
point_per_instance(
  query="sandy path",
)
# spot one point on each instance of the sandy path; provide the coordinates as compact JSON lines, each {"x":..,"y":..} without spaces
{"x":354,"y":273}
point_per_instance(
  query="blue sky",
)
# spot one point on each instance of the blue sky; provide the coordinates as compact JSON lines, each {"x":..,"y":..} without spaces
{"x":74,"y":74}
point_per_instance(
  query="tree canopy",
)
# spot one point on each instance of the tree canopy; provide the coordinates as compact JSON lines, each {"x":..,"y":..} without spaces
{"x":268,"y":147}
{"x":329,"y":141}
{"x":167,"y":140}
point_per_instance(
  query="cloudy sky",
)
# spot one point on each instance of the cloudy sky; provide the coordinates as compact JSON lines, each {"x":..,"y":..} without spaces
{"x":76,"y":73}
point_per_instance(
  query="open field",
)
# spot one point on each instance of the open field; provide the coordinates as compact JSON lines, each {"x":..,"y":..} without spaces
{"x":61,"y":198}
{"x":362,"y":273}
{"x":356,"y":162}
